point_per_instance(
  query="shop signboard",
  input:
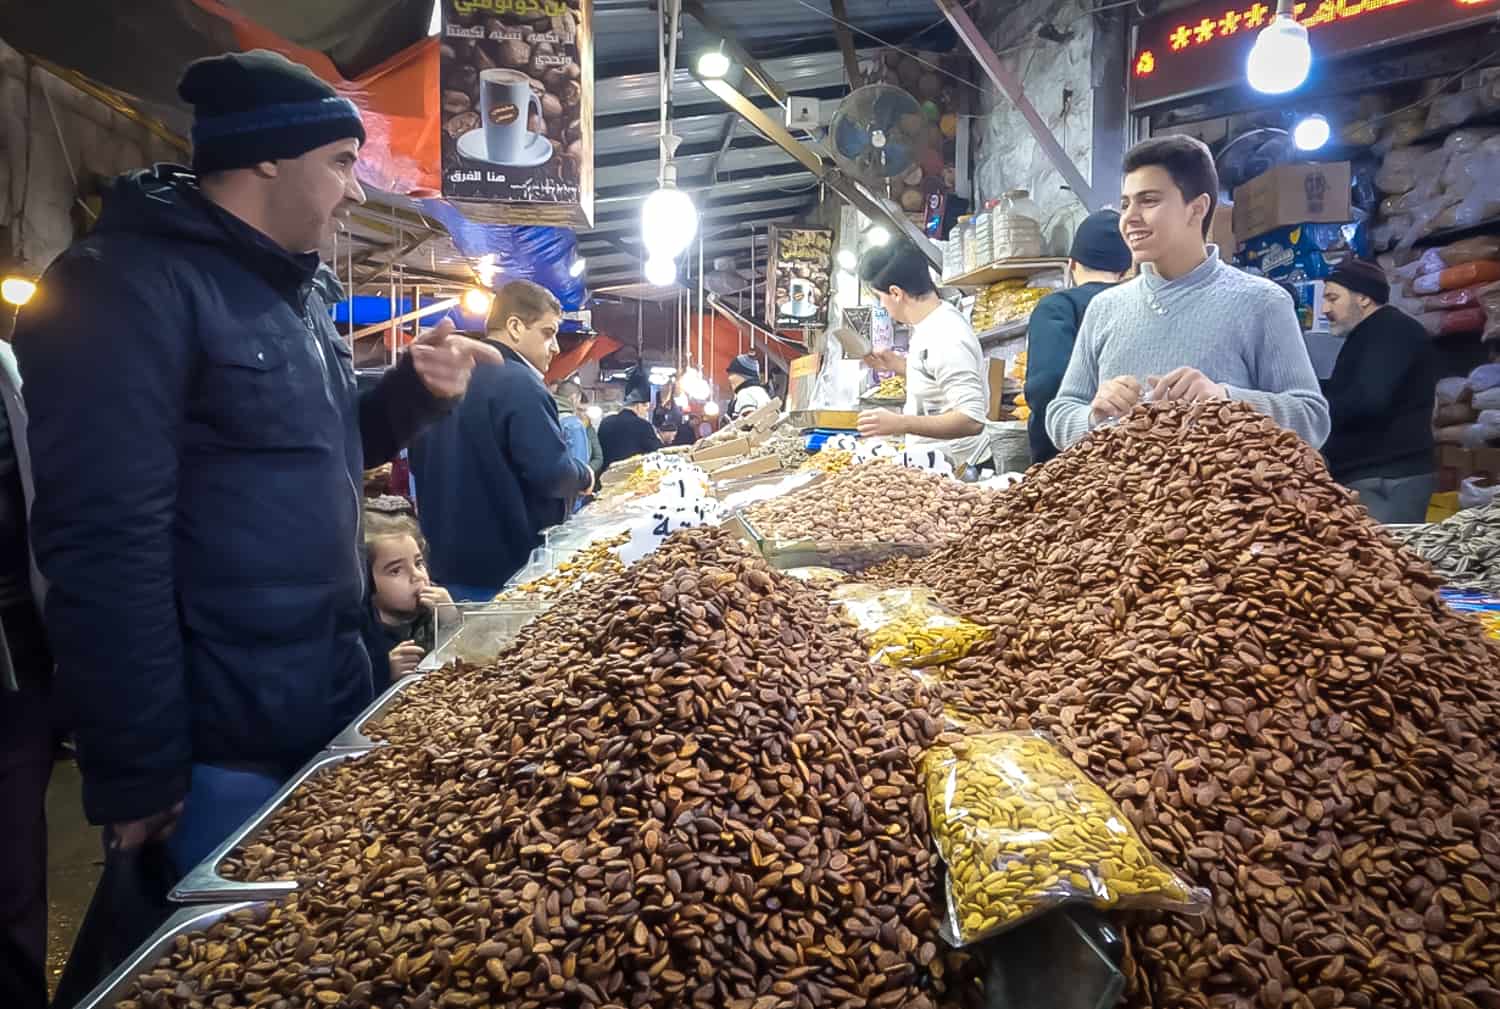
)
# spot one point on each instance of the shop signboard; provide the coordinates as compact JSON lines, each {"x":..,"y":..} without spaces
{"x":517,"y":80}
{"x":1204,"y":46}
{"x":798,"y":273}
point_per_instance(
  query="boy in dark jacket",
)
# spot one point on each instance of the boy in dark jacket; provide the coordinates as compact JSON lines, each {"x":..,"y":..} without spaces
{"x":1098,"y":259}
{"x":1379,"y":396}
{"x":198,"y":445}
{"x":497,"y":471}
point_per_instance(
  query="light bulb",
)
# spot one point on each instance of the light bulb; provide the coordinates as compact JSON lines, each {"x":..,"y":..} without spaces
{"x":847,"y":259}
{"x":682,"y":402}
{"x":710,"y":409}
{"x":695,"y":385}
{"x":713,"y":64}
{"x":668,"y":222}
{"x":579,"y":265}
{"x":661,"y":271}
{"x":878,"y":235}
{"x":1281,"y":57}
{"x":477,"y":301}
{"x":595,"y":414}
{"x":1311,"y":133}
{"x":17,"y":290}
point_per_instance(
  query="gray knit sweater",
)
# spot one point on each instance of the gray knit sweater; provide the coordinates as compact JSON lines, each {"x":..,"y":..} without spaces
{"x":1239,"y":330}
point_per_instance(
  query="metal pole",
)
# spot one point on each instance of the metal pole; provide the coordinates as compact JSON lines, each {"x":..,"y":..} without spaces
{"x":701,"y":363}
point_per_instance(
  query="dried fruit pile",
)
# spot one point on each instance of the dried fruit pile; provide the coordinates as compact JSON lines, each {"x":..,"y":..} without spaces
{"x":874,"y":502}
{"x":694,"y":791}
{"x":1269,"y":686}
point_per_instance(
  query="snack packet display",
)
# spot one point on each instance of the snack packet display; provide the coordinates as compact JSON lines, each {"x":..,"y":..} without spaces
{"x":1022,"y":830}
{"x":906,"y":627}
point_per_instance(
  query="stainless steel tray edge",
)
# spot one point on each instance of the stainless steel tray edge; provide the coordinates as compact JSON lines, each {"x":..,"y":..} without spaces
{"x":189,"y":919}
{"x":203,"y":884}
{"x":353,"y":737}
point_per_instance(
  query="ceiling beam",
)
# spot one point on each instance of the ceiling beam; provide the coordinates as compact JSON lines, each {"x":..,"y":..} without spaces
{"x":706,"y":215}
{"x":779,"y":177}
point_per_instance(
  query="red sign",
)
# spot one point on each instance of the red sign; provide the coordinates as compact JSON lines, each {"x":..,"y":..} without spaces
{"x":1205,"y":46}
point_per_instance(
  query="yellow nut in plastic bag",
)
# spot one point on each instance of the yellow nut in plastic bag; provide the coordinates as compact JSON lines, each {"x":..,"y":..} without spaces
{"x":906,"y":627}
{"x":1022,"y":829}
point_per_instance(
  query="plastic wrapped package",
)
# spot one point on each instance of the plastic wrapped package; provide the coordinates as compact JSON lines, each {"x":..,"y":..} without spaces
{"x":906,"y":627}
{"x":1451,"y":414}
{"x":1474,"y":492}
{"x":1401,"y":130}
{"x":1467,"y":141}
{"x":1489,"y":399}
{"x":1402,"y":169}
{"x":1391,"y":206}
{"x":1451,"y":434}
{"x":1452,"y":321}
{"x":1446,"y":111}
{"x":1480,"y":271}
{"x":1454,"y":390}
{"x":1484,"y":431}
{"x":1022,"y":830}
{"x":1489,"y":298}
{"x":1486,"y":376}
{"x":1463,"y":297}
{"x":1387,"y":234}
{"x":1467,"y":251}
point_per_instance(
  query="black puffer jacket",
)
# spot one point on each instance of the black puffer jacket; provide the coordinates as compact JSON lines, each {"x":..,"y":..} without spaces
{"x":198,"y":443}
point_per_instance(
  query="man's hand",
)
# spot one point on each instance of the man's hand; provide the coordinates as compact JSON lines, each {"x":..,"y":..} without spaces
{"x":1115,"y":398}
{"x":405,"y":658}
{"x":444,"y":359}
{"x":1186,"y":384}
{"x":137,"y":833}
{"x":874,"y":423}
{"x":886,"y":360}
{"x":434,"y":596}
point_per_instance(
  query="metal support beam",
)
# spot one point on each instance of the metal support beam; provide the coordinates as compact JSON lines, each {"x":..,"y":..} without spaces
{"x":731,"y":123}
{"x":846,"y":42}
{"x":736,"y":52}
{"x":1010,"y":85}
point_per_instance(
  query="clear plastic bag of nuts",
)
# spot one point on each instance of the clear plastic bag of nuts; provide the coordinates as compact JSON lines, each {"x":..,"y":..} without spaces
{"x":1023,"y":830}
{"x":906,"y":627}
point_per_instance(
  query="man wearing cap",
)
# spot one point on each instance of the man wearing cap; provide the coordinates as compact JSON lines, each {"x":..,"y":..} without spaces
{"x":198,"y":444}
{"x":749,"y":392}
{"x":1098,"y":260}
{"x":1380,"y":397}
{"x":628,"y":433}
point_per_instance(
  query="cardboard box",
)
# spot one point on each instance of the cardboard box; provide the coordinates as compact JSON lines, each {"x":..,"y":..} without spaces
{"x":1457,"y":464}
{"x":1315,"y":193}
{"x":1221,"y":231}
{"x":997,"y":388}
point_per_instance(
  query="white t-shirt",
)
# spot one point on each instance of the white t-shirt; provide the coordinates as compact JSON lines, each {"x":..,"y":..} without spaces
{"x":945,"y":371}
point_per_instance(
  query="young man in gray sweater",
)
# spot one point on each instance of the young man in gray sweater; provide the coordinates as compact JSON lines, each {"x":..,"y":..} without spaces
{"x":1188,"y":327}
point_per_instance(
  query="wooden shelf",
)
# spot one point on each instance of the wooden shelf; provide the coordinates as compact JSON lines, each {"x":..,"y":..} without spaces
{"x":1006,"y":269}
{"x":1005,"y":331}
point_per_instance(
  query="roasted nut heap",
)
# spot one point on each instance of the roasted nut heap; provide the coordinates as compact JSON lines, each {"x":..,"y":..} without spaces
{"x":874,"y":502}
{"x":596,"y":559}
{"x":1023,"y":830}
{"x":1270,"y":688}
{"x":692,"y":791}
{"x":830,"y":460}
{"x":1464,"y":549}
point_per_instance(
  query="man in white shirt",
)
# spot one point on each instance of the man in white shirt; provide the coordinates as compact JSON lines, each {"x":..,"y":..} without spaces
{"x":947,"y":391}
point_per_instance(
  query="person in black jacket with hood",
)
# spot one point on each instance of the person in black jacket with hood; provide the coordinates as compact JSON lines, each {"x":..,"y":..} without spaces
{"x":1096,"y":262}
{"x":497,"y":471}
{"x":627,"y":433}
{"x":198,"y":445}
{"x":1380,"y":397}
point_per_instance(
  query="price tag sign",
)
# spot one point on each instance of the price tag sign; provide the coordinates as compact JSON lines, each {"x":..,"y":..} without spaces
{"x":648,"y":531}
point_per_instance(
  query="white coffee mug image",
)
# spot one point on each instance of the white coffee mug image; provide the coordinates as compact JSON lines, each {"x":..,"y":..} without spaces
{"x":505,"y":101}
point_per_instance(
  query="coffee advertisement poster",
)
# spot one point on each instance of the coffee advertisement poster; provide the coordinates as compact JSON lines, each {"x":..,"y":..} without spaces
{"x":518,"y":109}
{"x":798,"y":278}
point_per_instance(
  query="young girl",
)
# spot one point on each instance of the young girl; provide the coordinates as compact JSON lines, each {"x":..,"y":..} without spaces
{"x":399,"y":622}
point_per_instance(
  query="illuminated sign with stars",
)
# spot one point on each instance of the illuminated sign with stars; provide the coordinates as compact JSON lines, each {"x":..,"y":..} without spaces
{"x":1205,"y":46}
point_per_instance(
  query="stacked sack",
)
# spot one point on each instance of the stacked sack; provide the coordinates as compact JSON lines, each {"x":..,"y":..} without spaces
{"x":1467,"y":410}
{"x":1450,"y":290}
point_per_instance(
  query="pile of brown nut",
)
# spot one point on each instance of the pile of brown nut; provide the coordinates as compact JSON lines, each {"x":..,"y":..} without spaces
{"x":690,"y":790}
{"x":874,"y":502}
{"x":1271,"y":689}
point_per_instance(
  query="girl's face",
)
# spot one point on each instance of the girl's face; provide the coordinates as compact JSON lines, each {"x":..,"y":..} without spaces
{"x":400,"y":574}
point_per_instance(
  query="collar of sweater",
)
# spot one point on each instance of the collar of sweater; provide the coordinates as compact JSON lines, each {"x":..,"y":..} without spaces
{"x":1160,"y":293}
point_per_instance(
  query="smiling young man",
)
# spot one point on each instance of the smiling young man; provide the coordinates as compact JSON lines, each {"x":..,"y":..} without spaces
{"x":197,"y":443}
{"x":1188,"y":327}
{"x":497,"y":471}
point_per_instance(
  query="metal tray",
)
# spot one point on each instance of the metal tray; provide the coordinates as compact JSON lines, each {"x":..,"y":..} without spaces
{"x":353,"y":737}
{"x":484,"y":632}
{"x":849,"y":557}
{"x":203,"y":884}
{"x":189,"y":919}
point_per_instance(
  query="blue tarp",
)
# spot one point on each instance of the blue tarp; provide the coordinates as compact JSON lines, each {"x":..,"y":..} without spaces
{"x":522,"y":252}
{"x":370,"y":309}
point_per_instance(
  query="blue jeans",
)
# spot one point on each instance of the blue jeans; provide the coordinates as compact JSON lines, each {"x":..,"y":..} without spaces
{"x":1396,"y":500}
{"x":219,"y":799}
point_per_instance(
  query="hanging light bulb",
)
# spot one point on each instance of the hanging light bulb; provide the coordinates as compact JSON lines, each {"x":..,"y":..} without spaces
{"x":579,"y":265}
{"x":682,"y":402}
{"x":710,"y":409}
{"x":878,"y":235}
{"x":661,"y":271}
{"x":1311,"y":133}
{"x":847,"y":259}
{"x":668,"y":218}
{"x":17,"y":290}
{"x":714,"y":63}
{"x":476,"y":301}
{"x":695,"y":385}
{"x":595,"y":415}
{"x":1281,"y":57}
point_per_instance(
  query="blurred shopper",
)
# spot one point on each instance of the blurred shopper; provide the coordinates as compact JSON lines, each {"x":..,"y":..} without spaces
{"x":1190,"y":326}
{"x":1097,"y":261}
{"x":497,"y":471}
{"x":750,"y":393}
{"x":1380,"y":397}
{"x":197,"y":478}
{"x":629,"y":433}
{"x":26,"y":723}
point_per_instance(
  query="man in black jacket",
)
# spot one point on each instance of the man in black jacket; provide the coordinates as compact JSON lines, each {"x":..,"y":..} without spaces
{"x":1098,"y":259}
{"x":627,"y":434}
{"x":1380,"y":397}
{"x":497,"y":471}
{"x":198,"y":444}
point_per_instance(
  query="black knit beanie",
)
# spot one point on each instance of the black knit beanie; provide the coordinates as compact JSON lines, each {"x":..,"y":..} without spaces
{"x":1362,"y":277}
{"x":1098,"y":245}
{"x":260,"y":106}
